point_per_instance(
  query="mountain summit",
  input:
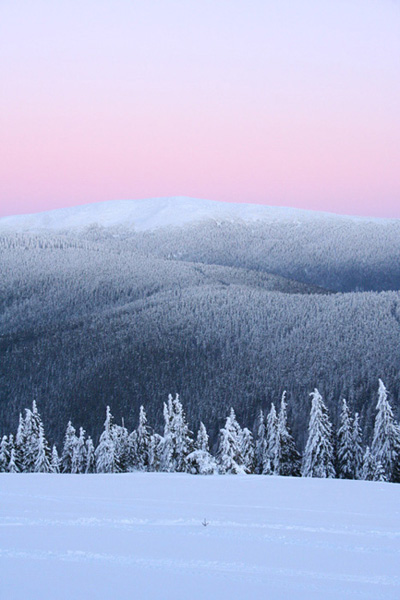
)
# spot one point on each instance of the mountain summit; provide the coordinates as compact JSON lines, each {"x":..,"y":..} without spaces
{"x":155,"y":213}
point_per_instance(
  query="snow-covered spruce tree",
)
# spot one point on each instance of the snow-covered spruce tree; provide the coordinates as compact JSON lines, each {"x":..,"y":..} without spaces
{"x":90,"y":466}
{"x":200,"y":461}
{"x":4,"y":454}
{"x":143,"y":436}
{"x":166,"y":447}
{"x":357,"y":447}
{"x":261,"y":445}
{"x":19,"y":443}
{"x":78,"y":463}
{"x":155,"y":452}
{"x":133,"y":458}
{"x":55,"y":460}
{"x":386,"y":442}
{"x":230,"y":459}
{"x":32,"y":425}
{"x":42,"y":462}
{"x":105,"y":451}
{"x":318,"y":455}
{"x":247,"y":449}
{"x":70,"y":441}
{"x":345,"y":445}
{"x":272,"y":430}
{"x":34,"y":445}
{"x":177,"y":442}
{"x":13,"y":465}
{"x":120,"y":437}
{"x":182,"y":437}
{"x":287,"y":459}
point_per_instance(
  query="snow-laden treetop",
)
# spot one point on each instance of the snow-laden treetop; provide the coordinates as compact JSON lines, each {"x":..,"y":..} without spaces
{"x":158,"y":212}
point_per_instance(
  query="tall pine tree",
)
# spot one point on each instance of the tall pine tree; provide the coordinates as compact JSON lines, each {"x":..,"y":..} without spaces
{"x":318,"y":456}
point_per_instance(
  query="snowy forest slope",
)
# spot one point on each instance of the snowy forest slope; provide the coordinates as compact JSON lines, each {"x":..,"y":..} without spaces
{"x":225,"y":312}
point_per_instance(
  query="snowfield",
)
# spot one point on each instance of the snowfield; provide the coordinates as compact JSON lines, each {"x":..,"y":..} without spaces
{"x":140,"y":536}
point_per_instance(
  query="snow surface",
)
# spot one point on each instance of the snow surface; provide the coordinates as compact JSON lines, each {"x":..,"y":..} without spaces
{"x":153,"y":213}
{"x":141,"y":536}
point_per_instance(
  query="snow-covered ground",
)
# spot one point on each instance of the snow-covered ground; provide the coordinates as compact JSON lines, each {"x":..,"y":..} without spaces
{"x":140,"y":536}
{"x":158,"y":212}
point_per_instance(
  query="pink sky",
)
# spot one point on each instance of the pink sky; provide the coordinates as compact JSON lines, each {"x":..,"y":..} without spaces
{"x":292,"y":103}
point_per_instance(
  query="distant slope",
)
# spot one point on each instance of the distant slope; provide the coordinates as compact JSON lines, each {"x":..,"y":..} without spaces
{"x":153,"y":213}
{"x":84,"y":324}
{"x":335,"y":252}
{"x":226,"y":311}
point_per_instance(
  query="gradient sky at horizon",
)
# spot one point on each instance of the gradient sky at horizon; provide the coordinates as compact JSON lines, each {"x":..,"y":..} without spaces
{"x":280,"y":102}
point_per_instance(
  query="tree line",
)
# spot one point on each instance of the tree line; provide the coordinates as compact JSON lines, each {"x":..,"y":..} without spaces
{"x":271,"y":451}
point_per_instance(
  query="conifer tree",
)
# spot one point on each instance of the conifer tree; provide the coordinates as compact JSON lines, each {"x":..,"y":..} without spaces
{"x":55,"y":460}
{"x":182,"y":441}
{"x":230,"y":459}
{"x":70,"y":441}
{"x":13,"y":465}
{"x":143,"y":436}
{"x":247,"y":450}
{"x":386,"y":442}
{"x":345,"y":445}
{"x":357,"y":447}
{"x":78,"y":463}
{"x":261,"y":445}
{"x":272,"y":430}
{"x":155,"y":452}
{"x":318,"y":454}
{"x":32,"y":425}
{"x":4,"y":454}
{"x":202,"y":440}
{"x":167,"y":446}
{"x":42,"y":461}
{"x":200,"y":460}
{"x":287,"y":459}
{"x":120,"y":437}
{"x":90,"y":466}
{"x":105,"y":451}
{"x":19,"y":443}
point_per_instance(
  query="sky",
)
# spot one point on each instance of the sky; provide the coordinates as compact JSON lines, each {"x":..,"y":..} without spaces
{"x":279,"y":102}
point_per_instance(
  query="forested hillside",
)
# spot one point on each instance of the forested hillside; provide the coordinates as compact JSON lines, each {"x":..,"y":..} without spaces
{"x":225,"y":313}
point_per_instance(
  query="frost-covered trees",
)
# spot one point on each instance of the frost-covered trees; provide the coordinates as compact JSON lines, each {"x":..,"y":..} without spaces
{"x":200,"y":460}
{"x":55,"y":460}
{"x":105,"y":451}
{"x":273,"y":453}
{"x":318,"y":455}
{"x":358,"y":453}
{"x":67,"y":454}
{"x":178,"y":441}
{"x":345,"y":445}
{"x":286,"y":457}
{"x":272,"y":429}
{"x":42,"y":461}
{"x":78,"y":463}
{"x":247,"y":449}
{"x":261,"y":445}
{"x":90,"y":466}
{"x":142,"y":442}
{"x":230,"y":459}
{"x":386,"y":442}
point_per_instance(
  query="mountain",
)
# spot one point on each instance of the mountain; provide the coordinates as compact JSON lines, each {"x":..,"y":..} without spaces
{"x":122,"y":303}
{"x":154,"y":213}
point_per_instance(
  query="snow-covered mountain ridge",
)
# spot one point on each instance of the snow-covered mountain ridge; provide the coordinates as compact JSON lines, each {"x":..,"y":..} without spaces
{"x":155,"y":213}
